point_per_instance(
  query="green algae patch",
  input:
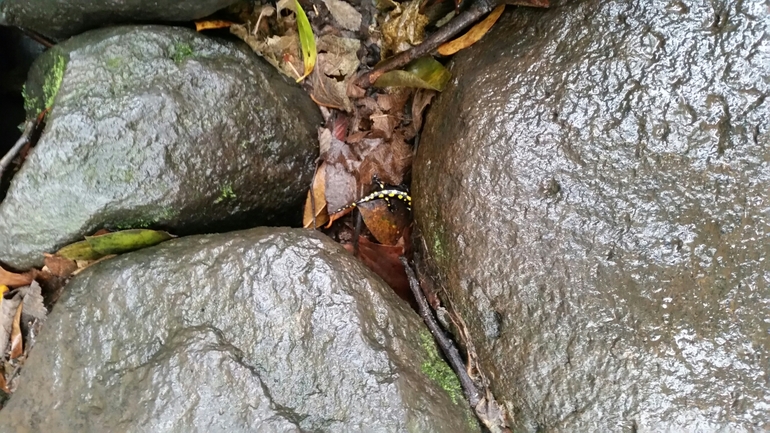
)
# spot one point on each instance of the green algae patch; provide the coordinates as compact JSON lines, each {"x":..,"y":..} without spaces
{"x":438,"y":371}
{"x":181,"y":51}
{"x":225,"y":194}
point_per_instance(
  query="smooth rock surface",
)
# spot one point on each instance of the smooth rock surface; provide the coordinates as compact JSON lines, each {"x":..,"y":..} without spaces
{"x":594,"y":190}
{"x":63,"y":18}
{"x":157,"y":127}
{"x":265,"y":330}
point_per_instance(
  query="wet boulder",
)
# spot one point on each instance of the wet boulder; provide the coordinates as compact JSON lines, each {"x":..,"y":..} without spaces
{"x":593,"y":192}
{"x":157,"y":127}
{"x":63,"y":18}
{"x":267,"y":330}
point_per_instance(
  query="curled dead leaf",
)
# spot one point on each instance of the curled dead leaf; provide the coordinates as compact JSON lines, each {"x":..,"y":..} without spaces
{"x":473,"y":35}
{"x":12,"y":279}
{"x":16,"y":340}
{"x":211,"y":24}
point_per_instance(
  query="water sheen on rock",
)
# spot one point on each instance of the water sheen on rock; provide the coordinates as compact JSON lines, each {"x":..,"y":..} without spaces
{"x":593,"y":188}
{"x":157,"y":127}
{"x":63,"y":18}
{"x":265,"y":330}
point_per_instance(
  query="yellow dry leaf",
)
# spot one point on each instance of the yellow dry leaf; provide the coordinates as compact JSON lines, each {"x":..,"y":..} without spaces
{"x":474,"y":34}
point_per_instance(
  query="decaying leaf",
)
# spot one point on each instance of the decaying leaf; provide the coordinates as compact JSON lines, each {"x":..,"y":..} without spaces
{"x":404,"y":27}
{"x":423,"y":73}
{"x":12,"y":279}
{"x":211,"y":24}
{"x":306,"y":41}
{"x":16,"y":341}
{"x":32,"y":301}
{"x":328,"y":92}
{"x":337,"y":56}
{"x":386,"y":224}
{"x":126,"y":240}
{"x":473,"y":35}
{"x":316,"y":201}
{"x":283,"y":52}
{"x":7,"y":313}
{"x":344,"y":14}
{"x":384,"y":261}
{"x":3,"y":384}
{"x":59,"y":266}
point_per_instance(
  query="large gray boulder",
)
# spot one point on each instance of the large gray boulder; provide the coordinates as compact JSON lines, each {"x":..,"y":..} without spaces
{"x":157,"y":127}
{"x":266,"y":330}
{"x":593,"y":189}
{"x":63,"y":18}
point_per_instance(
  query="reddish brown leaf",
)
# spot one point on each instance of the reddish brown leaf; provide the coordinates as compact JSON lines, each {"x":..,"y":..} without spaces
{"x":16,"y":344}
{"x":384,"y":261}
{"x":3,"y":384}
{"x":12,"y":279}
{"x":386,"y":226}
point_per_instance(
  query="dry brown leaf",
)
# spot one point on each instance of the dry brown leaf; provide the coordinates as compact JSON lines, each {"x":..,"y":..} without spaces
{"x":420,"y":101}
{"x":474,"y":34}
{"x":338,"y":55}
{"x":7,"y":313}
{"x":16,"y":341}
{"x":344,"y":14}
{"x":3,"y":384}
{"x":384,"y":261}
{"x":32,"y":301}
{"x":316,"y":200}
{"x":388,"y":159}
{"x":386,"y":226}
{"x":60,"y":266}
{"x":211,"y":24}
{"x":383,"y":124}
{"x":12,"y":279}
{"x":329,"y":92}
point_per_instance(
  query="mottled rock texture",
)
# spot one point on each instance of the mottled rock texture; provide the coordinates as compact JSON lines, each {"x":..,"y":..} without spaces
{"x":593,"y":188}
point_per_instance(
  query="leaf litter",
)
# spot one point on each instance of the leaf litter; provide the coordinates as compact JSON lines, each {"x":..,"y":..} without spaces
{"x":369,"y":133}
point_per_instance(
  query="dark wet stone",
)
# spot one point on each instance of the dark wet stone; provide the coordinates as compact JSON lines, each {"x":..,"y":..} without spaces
{"x":157,"y":127}
{"x":266,"y":330}
{"x":63,"y":18}
{"x":593,"y":188}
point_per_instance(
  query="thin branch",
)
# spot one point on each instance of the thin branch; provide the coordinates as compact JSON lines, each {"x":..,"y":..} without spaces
{"x":447,"y":346}
{"x":29,"y":128}
{"x":432,"y":42}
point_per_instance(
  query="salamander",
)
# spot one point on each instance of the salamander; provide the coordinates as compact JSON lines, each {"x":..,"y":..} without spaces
{"x":383,"y":192}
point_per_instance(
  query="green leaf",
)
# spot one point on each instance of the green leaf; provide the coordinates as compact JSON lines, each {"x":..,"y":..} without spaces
{"x":306,"y":41}
{"x":126,"y":240}
{"x":423,"y":73}
{"x":79,"y":251}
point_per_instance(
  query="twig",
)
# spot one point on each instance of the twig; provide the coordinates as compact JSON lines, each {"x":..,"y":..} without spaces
{"x":29,"y":128}
{"x":446,"y":32}
{"x":37,"y":37}
{"x":447,"y":346}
